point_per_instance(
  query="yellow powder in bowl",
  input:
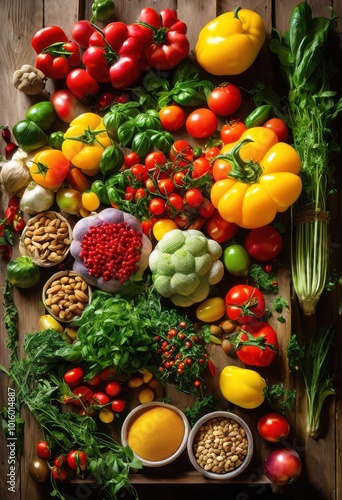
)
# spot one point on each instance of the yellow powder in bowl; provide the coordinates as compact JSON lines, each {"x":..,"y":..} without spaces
{"x":156,"y":434}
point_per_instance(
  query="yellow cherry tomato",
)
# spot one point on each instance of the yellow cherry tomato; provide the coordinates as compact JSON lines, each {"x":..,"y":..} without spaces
{"x":211,"y":309}
{"x":47,"y":321}
{"x":163,"y":226}
{"x":106,"y":415}
{"x":90,"y":201}
{"x":146,"y":396}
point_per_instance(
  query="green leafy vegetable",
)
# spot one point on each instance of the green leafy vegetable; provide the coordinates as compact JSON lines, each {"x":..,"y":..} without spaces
{"x":279,"y":398}
{"x":312,"y":362}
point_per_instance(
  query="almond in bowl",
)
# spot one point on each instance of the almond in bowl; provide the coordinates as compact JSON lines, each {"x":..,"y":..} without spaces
{"x":46,"y":238}
{"x":65,"y":296}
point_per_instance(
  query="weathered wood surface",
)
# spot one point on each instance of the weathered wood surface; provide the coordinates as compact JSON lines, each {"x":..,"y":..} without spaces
{"x":321,"y":477}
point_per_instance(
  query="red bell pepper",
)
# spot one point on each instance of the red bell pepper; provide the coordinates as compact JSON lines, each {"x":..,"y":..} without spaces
{"x":163,"y":37}
{"x":113,"y":56}
{"x":56,"y":54}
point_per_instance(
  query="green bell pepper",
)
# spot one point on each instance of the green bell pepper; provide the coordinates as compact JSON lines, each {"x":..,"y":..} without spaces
{"x":102,"y":10}
{"x":99,"y":188}
{"x":56,"y":140}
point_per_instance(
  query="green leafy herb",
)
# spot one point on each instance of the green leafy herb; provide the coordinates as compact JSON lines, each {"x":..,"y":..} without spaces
{"x":10,"y":318}
{"x":205,"y":405}
{"x":312,"y":362}
{"x":279,"y":398}
{"x":265,"y":281}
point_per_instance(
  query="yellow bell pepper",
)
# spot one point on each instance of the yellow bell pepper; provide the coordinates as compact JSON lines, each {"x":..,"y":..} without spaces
{"x":262,"y":181}
{"x":230,"y":43}
{"x":242,"y":387}
{"x":84,"y":142}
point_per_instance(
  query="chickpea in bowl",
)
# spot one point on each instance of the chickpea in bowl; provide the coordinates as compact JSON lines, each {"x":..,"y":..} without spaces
{"x":220,"y":445}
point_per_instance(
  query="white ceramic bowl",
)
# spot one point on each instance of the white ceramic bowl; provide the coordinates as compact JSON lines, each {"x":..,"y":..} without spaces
{"x":49,"y":247}
{"x":59,"y":312}
{"x":196,"y":429}
{"x":136,"y":412}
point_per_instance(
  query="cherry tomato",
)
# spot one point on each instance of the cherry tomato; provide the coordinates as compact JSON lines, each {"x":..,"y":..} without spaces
{"x":90,"y":201}
{"x":201,"y":166}
{"x":218,"y":229}
{"x":211,"y":153}
{"x":181,"y":152}
{"x":140,"y":172}
{"x":236,"y":260}
{"x":131,"y":159}
{"x":205,"y":209}
{"x":106,"y":415}
{"x":264,"y":243}
{"x":178,"y":178}
{"x":74,"y":376}
{"x":232,"y":131}
{"x":165,"y":186}
{"x":113,"y":388}
{"x":201,"y":123}
{"x":82,"y":394}
{"x":58,"y":473}
{"x":172,"y":117}
{"x":118,"y":405}
{"x":108,"y":373}
{"x":279,"y":128}
{"x":157,"y":206}
{"x":77,"y":459}
{"x":193,"y":197}
{"x":211,"y":309}
{"x":155,"y":159}
{"x":282,"y":466}
{"x":147,"y":226}
{"x":225,"y":99}
{"x":245,"y":304}
{"x":77,"y":180}
{"x":95,"y":380}
{"x":81,"y":32}
{"x":163,"y":226}
{"x":69,"y":200}
{"x":60,"y":460}
{"x":43,"y":449}
{"x":176,"y":201}
{"x":221,"y":169}
{"x":273,"y":427}
{"x":100,"y":398}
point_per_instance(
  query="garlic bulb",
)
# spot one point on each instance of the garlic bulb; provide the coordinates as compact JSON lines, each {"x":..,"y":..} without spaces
{"x":36,"y":199}
{"x":14,"y":174}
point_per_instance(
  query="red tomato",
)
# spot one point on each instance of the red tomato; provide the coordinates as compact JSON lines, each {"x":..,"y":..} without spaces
{"x":113,"y":388}
{"x":273,"y":427}
{"x":205,"y":209}
{"x":58,"y":473}
{"x":140,"y":193}
{"x":181,"y":152}
{"x":221,"y":169}
{"x":77,"y":459}
{"x":131,"y":159}
{"x":67,"y":106}
{"x":193,"y":197}
{"x":60,"y":460}
{"x":256,"y":345}
{"x":263,"y":243}
{"x":118,"y":405}
{"x":100,"y":398}
{"x":77,"y":180}
{"x":201,"y":166}
{"x":82,"y":395}
{"x":232,"y":131}
{"x":140,"y":172}
{"x":81,"y":84}
{"x":278,"y":127}
{"x":49,"y":168}
{"x":178,"y":178}
{"x":201,"y":123}
{"x":74,"y":376}
{"x":43,"y":449}
{"x":225,"y":99}
{"x":147,"y":226}
{"x":107,"y":373}
{"x":155,"y":159}
{"x":245,"y":304}
{"x":282,"y":466}
{"x":176,"y":201}
{"x":165,"y":186}
{"x":157,"y":206}
{"x":172,"y":117}
{"x":212,"y":152}
{"x":81,"y":32}
{"x":218,"y":229}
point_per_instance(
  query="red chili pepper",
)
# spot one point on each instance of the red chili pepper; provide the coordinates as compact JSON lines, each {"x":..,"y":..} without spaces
{"x":6,"y":134}
{"x":18,"y":222}
{"x":9,"y":149}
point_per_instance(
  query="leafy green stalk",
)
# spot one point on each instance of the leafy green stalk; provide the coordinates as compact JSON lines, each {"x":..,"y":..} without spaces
{"x":305,"y":63}
{"x":312,"y":363}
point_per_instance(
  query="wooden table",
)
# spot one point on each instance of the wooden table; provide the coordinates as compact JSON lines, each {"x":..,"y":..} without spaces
{"x":321,"y":477}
